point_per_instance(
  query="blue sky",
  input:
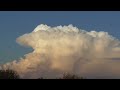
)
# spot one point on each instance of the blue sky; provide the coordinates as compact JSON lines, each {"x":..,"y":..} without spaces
{"x":16,"y":23}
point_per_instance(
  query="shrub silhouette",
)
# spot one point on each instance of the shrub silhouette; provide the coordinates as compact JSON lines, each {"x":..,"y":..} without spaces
{"x":8,"y":74}
{"x":70,"y":76}
{"x":67,"y":76}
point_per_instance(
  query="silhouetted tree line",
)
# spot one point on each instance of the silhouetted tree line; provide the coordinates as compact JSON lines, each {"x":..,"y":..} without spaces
{"x":70,"y":76}
{"x":11,"y":74}
{"x":8,"y":74}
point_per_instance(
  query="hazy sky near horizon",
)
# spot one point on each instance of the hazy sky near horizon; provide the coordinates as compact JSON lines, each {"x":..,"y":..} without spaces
{"x":16,"y":23}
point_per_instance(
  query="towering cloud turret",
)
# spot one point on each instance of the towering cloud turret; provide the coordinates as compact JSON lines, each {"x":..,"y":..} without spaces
{"x":68,"y":49}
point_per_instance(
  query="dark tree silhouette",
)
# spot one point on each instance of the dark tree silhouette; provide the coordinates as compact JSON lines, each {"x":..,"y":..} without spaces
{"x":8,"y":74}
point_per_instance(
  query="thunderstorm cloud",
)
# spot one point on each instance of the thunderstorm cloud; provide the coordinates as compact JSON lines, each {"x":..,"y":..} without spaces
{"x":61,"y":49}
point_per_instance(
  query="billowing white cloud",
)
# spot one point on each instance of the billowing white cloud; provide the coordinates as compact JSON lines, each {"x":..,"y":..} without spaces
{"x":68,"y":49}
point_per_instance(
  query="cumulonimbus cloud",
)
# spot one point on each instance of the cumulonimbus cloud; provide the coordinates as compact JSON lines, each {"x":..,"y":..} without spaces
{"x":61,"y":49}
